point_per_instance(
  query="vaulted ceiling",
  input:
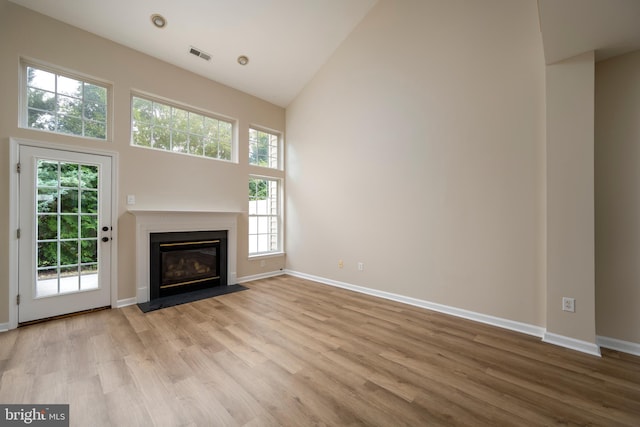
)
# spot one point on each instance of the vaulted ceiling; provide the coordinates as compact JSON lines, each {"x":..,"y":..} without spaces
{"x":287,"y":41}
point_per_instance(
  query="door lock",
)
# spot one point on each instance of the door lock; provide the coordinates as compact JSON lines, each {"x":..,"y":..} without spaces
{"x":105,"y":239}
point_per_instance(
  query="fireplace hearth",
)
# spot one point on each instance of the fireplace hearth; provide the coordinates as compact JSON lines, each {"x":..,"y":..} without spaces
{"x":182,"y":262}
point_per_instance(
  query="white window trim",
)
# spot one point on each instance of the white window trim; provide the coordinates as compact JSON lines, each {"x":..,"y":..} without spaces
{"x":189,"y":108}
{"x":23,"y":116}
{"x":279,"y":134}
{"x":266,"y":255}
{"x":280,"y":251}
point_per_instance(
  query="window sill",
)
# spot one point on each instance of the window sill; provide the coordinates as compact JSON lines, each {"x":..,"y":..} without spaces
{"x":266,"y":255}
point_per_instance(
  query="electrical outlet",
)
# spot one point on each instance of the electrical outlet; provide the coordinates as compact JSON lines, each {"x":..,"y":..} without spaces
{"x":131,"y":199}
{"x":361,"y":266}
{"x":569,"y":304}
{"x":340,"y":264}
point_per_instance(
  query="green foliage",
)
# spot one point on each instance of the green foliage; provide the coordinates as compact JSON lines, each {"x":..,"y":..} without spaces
{"x":61,"y":104}
{"x":67,"y":213}
{"x":168,"y":128}
{"x":258,"y":189}
{"x":263,"y":148}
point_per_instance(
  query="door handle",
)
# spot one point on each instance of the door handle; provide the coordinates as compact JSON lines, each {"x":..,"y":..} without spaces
{"x":105,"y":239}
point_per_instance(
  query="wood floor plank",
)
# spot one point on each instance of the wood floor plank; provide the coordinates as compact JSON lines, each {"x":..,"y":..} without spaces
{"x":235,"y":399}
{"x":87,"y":405}
{"x":348,"y":391}
{"x":161,"y":402}
{"x":276,"y":400}
{"x":200,"y":406}
{"x":16,"y":386}
{"x":291,"y":352}
{"x":125,"y":407}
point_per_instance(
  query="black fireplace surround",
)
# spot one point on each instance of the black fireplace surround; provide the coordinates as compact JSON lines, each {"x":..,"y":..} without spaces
{"x":188,"y":261}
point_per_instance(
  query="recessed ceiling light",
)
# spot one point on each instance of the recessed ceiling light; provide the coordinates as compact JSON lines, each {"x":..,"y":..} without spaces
{"x":243,"y":60}
{"x":158,"y":20}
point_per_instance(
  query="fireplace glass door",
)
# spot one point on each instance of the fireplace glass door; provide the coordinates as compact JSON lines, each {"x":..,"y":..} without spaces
{"x":182,"y":266}
{"x":186,"y":261}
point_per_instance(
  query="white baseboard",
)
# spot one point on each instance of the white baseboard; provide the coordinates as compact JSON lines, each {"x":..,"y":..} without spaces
{"x":619,"y":345}
{"x":246,"y":279}
{"x":458,"y":312}
{"x":4,"y":327}
{"x":125,"y":302}
{"x":572,"y":343}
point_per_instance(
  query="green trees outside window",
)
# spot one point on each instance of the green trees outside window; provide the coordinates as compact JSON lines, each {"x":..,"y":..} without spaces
{"x":57,"y":103}
{"x":168,"y":128}
{"x":264,"y":215}
{"x":263,"y":149}
{"x":67,"y":219}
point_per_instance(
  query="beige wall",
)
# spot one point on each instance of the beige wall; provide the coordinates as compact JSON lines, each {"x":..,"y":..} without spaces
{"x":418,"y":149}
{"x":570,"y":197}
{"x":617,"y":161}
{"x":159,"y":180}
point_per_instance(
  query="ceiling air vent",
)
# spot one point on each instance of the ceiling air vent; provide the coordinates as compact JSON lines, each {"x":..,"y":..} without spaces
{"x":201,"y":54}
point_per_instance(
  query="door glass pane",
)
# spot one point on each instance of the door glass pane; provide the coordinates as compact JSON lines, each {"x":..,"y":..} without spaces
{"x":47,"y":254}
{"x":69,"y":280}
{"x":89,"y":251}
{"x":47,"y":200}
{"x":89,"y":176}
{"x":47,"y":227}
{"x":89,"y":277}
{"x":89,"y":201}
{"x":47,"y":282}
{"x":67,"y":227}
{"x":68,"y":200}
{"x":89,"y":226}
{"x":69,"y":175}
{"x":69,"y":252}
{"x":47,"y":174}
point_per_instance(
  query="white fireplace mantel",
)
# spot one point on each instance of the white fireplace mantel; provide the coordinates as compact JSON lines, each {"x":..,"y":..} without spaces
{"x":159,"y":221}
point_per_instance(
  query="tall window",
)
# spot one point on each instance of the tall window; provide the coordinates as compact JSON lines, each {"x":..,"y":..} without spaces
{"x":62,"y":103}
{"x":264,"y":215}
{"x":263,"y":149}
{"x":169,"y":128}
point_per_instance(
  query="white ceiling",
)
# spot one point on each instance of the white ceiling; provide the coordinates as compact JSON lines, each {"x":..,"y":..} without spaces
{"x":286,"y":41}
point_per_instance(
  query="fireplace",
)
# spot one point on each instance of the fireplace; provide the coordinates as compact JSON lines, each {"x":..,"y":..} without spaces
{"x":186,"y":261}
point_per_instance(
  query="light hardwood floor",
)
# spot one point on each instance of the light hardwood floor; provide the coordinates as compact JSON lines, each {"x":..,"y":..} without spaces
{"x":297,"y":353}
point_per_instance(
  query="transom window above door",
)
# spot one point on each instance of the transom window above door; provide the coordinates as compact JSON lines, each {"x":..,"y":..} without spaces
{"x":61,"y":102}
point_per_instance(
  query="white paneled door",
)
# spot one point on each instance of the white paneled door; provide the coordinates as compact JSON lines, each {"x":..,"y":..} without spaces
{"x":65,"y":232}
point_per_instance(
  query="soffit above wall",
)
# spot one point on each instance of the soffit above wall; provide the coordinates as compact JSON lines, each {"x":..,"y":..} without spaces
{"x":572,"y":27}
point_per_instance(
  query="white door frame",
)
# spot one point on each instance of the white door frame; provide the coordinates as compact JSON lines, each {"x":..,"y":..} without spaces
{"x":14,"y":208}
